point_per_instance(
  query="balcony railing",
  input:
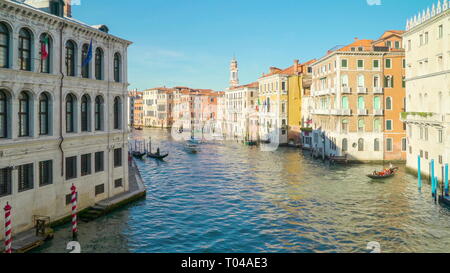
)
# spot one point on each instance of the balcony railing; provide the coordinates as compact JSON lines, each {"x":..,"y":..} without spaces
{"x":324,"y":92}
{"x":341,"y":112}
{"x":362,"y":90}
{"x":378,"y":90}
{"x":346,"y":90}
{"x":363,"y":112}
{"x":321,"y":112}
{"x":378,"y":112}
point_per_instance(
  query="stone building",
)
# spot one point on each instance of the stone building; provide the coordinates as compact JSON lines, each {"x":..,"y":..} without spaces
{"x":61,"y":122}
{"x":427,"y":112}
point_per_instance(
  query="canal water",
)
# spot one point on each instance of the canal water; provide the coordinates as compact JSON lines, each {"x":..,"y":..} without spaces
{"x":234,"y":198}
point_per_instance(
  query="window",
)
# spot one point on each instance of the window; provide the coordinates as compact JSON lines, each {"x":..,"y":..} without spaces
{"x":56,"y":8}
{"x":409,"y":45}
{"x":99,"y":162}
{"x":440,"y":136}
{"x":421,"y":39}
{"x":118,"y":183}
{"x":4,"y":46}
{"x":404,"y":63}
{"x":85,"y":115}
{"x":45,"y":173}
{"x":404,"y":145}
{"x":85,"y":164}
{"x":440,"y":31}
{"x":99,"y":189}
{"x":24,"y":115}
{"x":377,"y":125}
{"x":84,"y":55}
{"x":388,"y":103}
{"x":345,"y":102}
{"x":71,"y":167}
{"x":344,"y":63}
{"x":360,"y":64}
{"x":426,"y":133}
{"x":403,"y":82}
{"x":389,"y":125}
{"x":25,"y":178}
{"x":361,"y":81}
{"x":360,"y":145}
{"x":117,"y":113}
{"x":397,"y":44}
{"x":4,"y":108}
{"x":98,"y":113}
{"x":46,"y":49}
{"x":70,"y":58}
{"x":283,"y":86}
{"x":44,"y":117}
{"x":5,"y":181}
{"x":25,"y":49}
{"x":376,"y":103}
{"x":344,"y":126}
{"x":70,"y":113}
{"x":376,"y":64}
{"x":117,"y":67}
{"x":344,"y":145}
{"x":389,"y":147}
{"x":361,"y":104}
{"x":376,"y":145}
{"x":389,"y":44}
{"x":117,"y":158}
{"x":99,"y":64}
{"x":361,"y":126}
{"x":426,"y":37}
{"x":388,"y":63}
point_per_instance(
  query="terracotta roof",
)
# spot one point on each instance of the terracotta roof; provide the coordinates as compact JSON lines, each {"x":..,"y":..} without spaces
{"x":250,"y":85}
{"x":365,"y":44}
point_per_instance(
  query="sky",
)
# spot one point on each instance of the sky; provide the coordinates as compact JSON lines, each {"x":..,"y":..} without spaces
{"x":191,"y":42}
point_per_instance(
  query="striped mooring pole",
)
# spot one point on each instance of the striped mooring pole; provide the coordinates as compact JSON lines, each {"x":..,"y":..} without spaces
{"x":74,"y":213}
{"x":8,"y":238}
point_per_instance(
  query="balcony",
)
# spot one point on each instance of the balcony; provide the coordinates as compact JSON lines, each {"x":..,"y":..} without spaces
{"x":346,"y":90}
{"x":378,"y":112}
{"x":324,"y":92}
{"x":378,"y":90}
{"x":341,"y":112}
{"x":362,"y":90}
{"x":321,"y":112}
{"x":423,"y":117}
{"x":363,"y":112}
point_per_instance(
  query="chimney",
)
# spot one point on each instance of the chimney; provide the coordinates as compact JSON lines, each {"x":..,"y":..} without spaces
{"x":296,"y":66}
{"x":68,"y":8}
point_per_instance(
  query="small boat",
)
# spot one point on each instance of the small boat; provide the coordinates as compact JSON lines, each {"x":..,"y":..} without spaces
{"x":191,"y":148}
{"x":139,"y":128}
{"x":157,"y":156}
{"x":378,"y":176}
{"x":138,"y":154}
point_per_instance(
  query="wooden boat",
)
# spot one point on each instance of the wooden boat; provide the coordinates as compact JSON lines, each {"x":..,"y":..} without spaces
{"x":191,"y":148}
{"x":392,"y":174}
{"x":157,"y":156}
{"x":138,"y":154}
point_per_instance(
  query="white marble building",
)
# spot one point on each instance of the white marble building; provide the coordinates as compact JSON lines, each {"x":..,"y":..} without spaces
{"x":61,"y":123}
{"x":427,"y":44}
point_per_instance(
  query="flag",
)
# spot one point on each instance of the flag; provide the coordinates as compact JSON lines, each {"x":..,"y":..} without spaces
{"x":89,"y":55}
{"x":44,"y":48}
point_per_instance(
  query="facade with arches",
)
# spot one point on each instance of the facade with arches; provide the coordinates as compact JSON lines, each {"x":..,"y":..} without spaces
{"x":427,"y":113}
{"x":358,"y":92}
{"x":61,"y":122}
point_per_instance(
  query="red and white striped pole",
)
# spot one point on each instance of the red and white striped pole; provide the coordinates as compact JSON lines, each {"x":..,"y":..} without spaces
{"x":74,"y":213}
{"x":8,"y":238}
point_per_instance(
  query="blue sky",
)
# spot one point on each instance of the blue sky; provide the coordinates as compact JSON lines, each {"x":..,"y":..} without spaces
{"x":191,"y":42}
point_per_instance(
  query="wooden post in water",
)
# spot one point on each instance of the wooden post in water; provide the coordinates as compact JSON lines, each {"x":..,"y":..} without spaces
{"x":419,"y":173}
{"x":446,"y":180}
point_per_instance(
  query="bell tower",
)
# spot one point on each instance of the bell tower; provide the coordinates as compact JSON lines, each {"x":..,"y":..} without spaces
{"x":234,"y":77}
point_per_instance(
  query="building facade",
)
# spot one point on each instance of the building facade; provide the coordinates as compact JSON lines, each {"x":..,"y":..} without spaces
{"x":61,"y":123}
{"x":353,"y":88}
{"x":427,"y":113}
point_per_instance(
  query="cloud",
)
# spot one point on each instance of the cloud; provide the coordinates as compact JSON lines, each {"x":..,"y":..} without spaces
{"x":374,"y":2}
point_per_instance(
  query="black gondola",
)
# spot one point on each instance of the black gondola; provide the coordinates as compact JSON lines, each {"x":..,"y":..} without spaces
{"x":138,"y":154}
{"x":157,"y":156}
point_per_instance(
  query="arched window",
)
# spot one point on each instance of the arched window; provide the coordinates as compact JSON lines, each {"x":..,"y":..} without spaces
{"x":117,"y":113}
{"x":361,"y":81}
{"x":361,"y":145}
{"x":376,"y":145}
{"x":99,"y":64}
{"x":70,"y":58}
{"x":377,"y":125}
{"x":344,"y":80}
{"x":70,"y":113}
{"x":24,"y":114}
{"x":388,"y":103}
{"x":361,"y":104}
{"x":376,"y":81}
{"x":376,"y":103}
{"x":268,"y":104}
{"x":4,"y":46}
{"x":344,"y":145}
{"x":117,"y":67}
{"x":98,"y":113}
{"x":45,"y":53}
{"x":361,"y":125}
{"x":25,"y":49}
{"x":345,"y":102}
{"x":84,"y":67}
{"x":344,"y":126}
{"x":3,"y":114}
{"x":44,"y":115}
{"x":85,"y":113}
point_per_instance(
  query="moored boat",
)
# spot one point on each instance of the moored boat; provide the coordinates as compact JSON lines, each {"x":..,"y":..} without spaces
{"x":157,"y":156}
{"x":383,"y":175}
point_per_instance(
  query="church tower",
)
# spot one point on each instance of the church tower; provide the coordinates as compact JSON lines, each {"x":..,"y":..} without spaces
{"x":234,"y":78}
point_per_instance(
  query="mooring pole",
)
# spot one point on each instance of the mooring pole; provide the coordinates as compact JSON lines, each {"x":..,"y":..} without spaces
{"x":419,"y":173}
{"x":446,"y":180}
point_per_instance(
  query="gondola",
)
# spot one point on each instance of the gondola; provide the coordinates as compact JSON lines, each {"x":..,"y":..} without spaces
{"x":392,"y":174}
{"x":191,"y":148}
{"x":157,"y":156}
{"x":138,"y":154}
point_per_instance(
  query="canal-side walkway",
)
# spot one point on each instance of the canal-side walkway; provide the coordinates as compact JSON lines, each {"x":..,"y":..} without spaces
{"x":29,"y":240}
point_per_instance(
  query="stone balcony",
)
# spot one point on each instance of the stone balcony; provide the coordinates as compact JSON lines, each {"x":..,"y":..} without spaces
{"x":378,"y":90}
{"x":363,"y":112}
{"x":324,"y":92}
{"x":346,"y":90}
{"x":424,"y":117}
{"x":341,"y":112}
{"x":362,"y":90}
{"x":378,"y":112}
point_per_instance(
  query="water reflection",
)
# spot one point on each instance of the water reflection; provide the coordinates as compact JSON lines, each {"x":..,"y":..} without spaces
{"x":233,"y":198}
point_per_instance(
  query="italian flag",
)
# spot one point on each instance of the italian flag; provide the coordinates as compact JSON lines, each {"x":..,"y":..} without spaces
{"x":44,"y":48}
